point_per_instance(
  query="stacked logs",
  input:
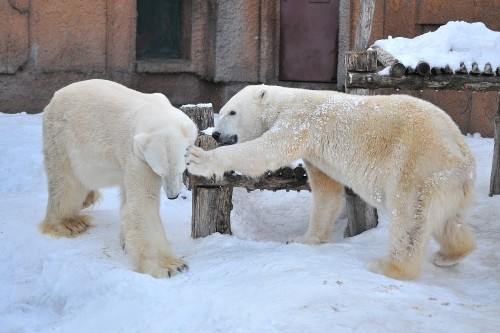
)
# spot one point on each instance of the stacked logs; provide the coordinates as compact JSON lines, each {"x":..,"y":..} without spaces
{"x":397,"y":69}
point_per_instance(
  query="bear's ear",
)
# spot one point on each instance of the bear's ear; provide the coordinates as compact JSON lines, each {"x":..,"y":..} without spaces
{"x":262,"y":94}
{"x":140,"y":142}
{"x":189,"y":130}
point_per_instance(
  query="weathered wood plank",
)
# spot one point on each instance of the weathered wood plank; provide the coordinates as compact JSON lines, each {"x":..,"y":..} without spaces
{"x":413,"y":82}
{"x":495,"y":168}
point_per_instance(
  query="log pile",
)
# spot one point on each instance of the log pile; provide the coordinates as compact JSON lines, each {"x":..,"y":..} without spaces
{"x":362,"y":74}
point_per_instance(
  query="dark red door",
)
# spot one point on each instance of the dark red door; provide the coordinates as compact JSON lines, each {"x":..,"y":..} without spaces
{"x":309,"y":40}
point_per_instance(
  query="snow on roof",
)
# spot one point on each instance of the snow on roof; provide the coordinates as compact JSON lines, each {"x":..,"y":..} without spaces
{"x":450,"y":44}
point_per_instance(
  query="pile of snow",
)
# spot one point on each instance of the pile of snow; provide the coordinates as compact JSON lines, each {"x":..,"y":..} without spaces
{"x":248,"y":282}
{"x":450,"y":44}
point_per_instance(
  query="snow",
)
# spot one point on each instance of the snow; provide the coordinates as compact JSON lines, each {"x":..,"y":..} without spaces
{"x":450,"y":44}
{"x":248,"y":282}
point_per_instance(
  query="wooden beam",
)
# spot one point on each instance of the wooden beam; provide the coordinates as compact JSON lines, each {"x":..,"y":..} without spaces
{"x":495,"y":168}
{"x":414,"y":82}
{"x":366,"y":217}
{"x":211,"y":206}
{"x":364,"y":29}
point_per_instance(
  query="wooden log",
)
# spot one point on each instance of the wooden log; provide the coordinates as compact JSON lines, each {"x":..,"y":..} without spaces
{"x":495,"y":168}
{"x":462,"y":69}
{"x":365,"y":218}
{"x":439,"y":82}
{"x":410,"y":70}
{"x":272,"y":181}
{"x":488,"y":70}
{"x":396,"y":68}
{"x":423,"y":68}
{"x":475,"y":69}
{"x":201,"y":114}
{"x":364,"y":29}
{"x":358,"y":210}
{"x":437,"y":70}
{"x":211,"y":206}
{"x":361,"y":61}
{"x":211,"y":210}
{"x":448,"y":70}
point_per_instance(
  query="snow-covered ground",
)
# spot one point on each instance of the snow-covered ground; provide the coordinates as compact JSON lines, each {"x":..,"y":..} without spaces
{"x":248,"y":282}
{"x":450,"y":44}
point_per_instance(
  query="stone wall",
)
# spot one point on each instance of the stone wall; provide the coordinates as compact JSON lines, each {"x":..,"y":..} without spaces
{"x":47,"y":44}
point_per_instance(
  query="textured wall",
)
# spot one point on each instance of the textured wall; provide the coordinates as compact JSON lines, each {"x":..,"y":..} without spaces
{"x":14,"y":45}
{"x":47,"y":44}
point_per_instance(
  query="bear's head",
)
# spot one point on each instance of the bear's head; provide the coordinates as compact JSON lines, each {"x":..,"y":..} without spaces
{"x":241,"y":119}
{"x":164,"y":149}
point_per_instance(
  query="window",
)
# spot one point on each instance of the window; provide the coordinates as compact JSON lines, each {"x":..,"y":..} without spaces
{"x":163,"y":29}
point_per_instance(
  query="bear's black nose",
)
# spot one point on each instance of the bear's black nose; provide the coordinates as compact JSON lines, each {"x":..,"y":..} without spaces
{"x":216,"y":135}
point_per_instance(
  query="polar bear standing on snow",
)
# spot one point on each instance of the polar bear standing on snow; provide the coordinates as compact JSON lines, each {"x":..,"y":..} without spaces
{"x":98,"y":133}
{"x":397,"y":152}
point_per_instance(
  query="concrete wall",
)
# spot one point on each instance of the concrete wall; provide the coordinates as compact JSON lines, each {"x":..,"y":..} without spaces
{"x":47,"y":44}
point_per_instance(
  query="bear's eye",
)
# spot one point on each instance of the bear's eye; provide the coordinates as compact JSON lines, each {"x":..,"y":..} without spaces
{"x":232,"y":113}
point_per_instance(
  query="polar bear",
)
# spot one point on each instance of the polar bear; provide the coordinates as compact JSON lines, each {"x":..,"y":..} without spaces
{"x":399,"y":153}
{"x":98,"y":133}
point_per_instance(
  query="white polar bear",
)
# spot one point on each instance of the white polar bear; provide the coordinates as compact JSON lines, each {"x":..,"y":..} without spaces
{"x":399,"y":153}
{"x":98,"y":133}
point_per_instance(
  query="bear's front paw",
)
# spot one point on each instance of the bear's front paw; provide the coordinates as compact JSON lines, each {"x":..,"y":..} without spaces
{"x":200,"y":162}
{"x":164,"y":267}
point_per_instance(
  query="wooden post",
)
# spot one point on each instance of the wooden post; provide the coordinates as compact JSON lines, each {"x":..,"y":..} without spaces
{"x":363,"y":216}
{"x":358,"y":210}
{"x":495,"y":168}
{"x":202,"y":115}
{"x":211,"y":204}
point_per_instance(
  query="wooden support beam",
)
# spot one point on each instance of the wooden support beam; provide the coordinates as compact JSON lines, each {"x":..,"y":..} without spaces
{"x":367,"y":217}
{"x":495,"y":168}
{"x":211,"y":205}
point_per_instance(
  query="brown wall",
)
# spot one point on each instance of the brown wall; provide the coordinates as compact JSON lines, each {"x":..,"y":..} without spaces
{"x":47,"y":44}
{"x":472,"y":111}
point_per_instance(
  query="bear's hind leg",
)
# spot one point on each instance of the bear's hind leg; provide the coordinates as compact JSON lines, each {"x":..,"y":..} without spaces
{"x":326,"y":206}
{"x":456,"y":241}
{"x":407,"y":239}
{"x":66,"y":197}
{"x":93,"y":196}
